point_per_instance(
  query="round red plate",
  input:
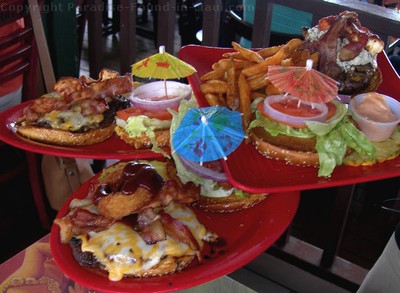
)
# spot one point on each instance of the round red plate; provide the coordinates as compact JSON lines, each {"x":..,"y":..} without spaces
{"x":245,"y":235}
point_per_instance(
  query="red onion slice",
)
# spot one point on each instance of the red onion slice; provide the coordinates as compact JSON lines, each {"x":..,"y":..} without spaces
{"x":297,"y":121}
{"x":152,"y":96}
{"x":202,"y":171}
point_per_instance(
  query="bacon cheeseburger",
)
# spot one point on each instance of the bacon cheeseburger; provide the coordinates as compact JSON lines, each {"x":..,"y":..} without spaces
{"x":347,"y":52}
{"x":320,"y":135}
{"x":216,"y":192}
{"x":79,"y":111}
{"x":134,"y":223}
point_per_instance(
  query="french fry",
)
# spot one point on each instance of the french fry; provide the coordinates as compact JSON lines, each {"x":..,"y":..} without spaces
{"x":244,"y":100}
{"x":256,"y":94}
{"x":232,"y":100}
{"x":247,"y":53}
{"x":268,"y":52}
{"x":214,"y":74}
{"x":258,"y":81}
{"x":240,"y":64}
{"x":221,"y":64}
{"x":215,"y":99}
{"x":214,"y":86}
{"x":270,"y":90}
{"x":275,"y":59}
{"x":234,"y":55}
{"x":298,"y":56}
{"x":287,"y":62}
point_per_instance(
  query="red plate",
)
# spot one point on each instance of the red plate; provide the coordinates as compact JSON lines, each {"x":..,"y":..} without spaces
{"x":112,"y":148}
{"x":250,"y":171}
{"x":245,"y":235}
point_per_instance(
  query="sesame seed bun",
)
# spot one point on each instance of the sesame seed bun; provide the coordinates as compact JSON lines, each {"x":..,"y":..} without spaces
{"x":293,"y":156}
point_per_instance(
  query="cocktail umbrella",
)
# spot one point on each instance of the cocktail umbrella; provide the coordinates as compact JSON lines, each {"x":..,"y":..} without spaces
{"x":162,"y":65}
{"x":208,"y":134}
{"x":305,"y":83}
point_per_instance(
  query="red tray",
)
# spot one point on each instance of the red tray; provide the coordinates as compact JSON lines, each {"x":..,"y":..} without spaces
{"x":252,"y":172}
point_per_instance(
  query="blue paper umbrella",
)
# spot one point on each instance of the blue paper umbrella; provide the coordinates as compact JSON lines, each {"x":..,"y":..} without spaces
{"x":208,"y":134}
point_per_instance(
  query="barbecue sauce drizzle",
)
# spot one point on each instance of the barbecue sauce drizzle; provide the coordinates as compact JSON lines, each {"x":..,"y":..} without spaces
{"x":134,"y":175}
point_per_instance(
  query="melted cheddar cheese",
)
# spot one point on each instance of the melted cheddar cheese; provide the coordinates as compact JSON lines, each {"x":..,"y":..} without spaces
{"x":70,"y":120}
{"x":123,"y":252}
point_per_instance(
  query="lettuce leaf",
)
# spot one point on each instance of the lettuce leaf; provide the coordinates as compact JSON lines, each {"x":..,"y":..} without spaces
{"x":136,"y":125}
{"x":333,"y":137}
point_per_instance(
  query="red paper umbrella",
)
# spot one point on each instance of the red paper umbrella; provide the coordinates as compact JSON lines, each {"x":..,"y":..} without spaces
{"x":305,"y":83}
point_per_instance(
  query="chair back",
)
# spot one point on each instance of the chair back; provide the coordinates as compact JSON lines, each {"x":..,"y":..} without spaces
{"x":19,"y":57}
{"x":18,"y":50}
{"x":237,"y":25}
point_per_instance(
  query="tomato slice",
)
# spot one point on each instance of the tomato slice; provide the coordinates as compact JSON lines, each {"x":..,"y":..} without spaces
{"x":161,"y":114}
{"x":260,"y":108}
{"x":331,"y":112}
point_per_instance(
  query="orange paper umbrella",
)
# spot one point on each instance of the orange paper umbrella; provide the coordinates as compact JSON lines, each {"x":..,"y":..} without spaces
{"x":305,"y":83}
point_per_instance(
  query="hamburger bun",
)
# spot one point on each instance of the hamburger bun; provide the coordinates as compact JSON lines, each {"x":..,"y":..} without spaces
{"x":227,"y":204}
{"x":285,"y":148}
{"x":61,"y":137}
{"x":142,"y":141}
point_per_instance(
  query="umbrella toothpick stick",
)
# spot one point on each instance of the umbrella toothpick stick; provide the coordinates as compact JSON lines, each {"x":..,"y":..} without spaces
{"x":165,"y":88}
{"x":161,"y":50}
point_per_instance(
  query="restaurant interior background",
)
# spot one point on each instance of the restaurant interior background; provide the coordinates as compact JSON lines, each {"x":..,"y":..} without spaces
{"x":368,"y":225}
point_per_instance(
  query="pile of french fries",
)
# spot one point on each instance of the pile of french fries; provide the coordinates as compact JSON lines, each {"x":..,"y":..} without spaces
{"x":241,"y":76}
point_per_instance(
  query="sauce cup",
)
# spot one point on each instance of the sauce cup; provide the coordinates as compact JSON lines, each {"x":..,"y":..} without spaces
{"x":374,"y":130}
{"x":160,"y":94}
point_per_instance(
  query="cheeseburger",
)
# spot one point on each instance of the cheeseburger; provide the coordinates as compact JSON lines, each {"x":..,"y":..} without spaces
{"x":347,"y":52}
{"x":79,"y":112}
{"x":134,"y":223}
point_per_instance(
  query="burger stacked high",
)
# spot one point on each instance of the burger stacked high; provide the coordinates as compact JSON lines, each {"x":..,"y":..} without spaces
{"x":134,"y":222}
{"x":347,"y":52}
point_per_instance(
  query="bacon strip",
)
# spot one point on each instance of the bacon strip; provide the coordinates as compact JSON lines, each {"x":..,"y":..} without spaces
{"x":81,"y":221}
{"x":179,"y":231}
{"x":150,"y":227}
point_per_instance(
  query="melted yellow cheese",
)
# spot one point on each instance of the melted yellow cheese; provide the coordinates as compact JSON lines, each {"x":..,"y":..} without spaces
{"x":123,"y":252}
{"x":70,"y":120}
